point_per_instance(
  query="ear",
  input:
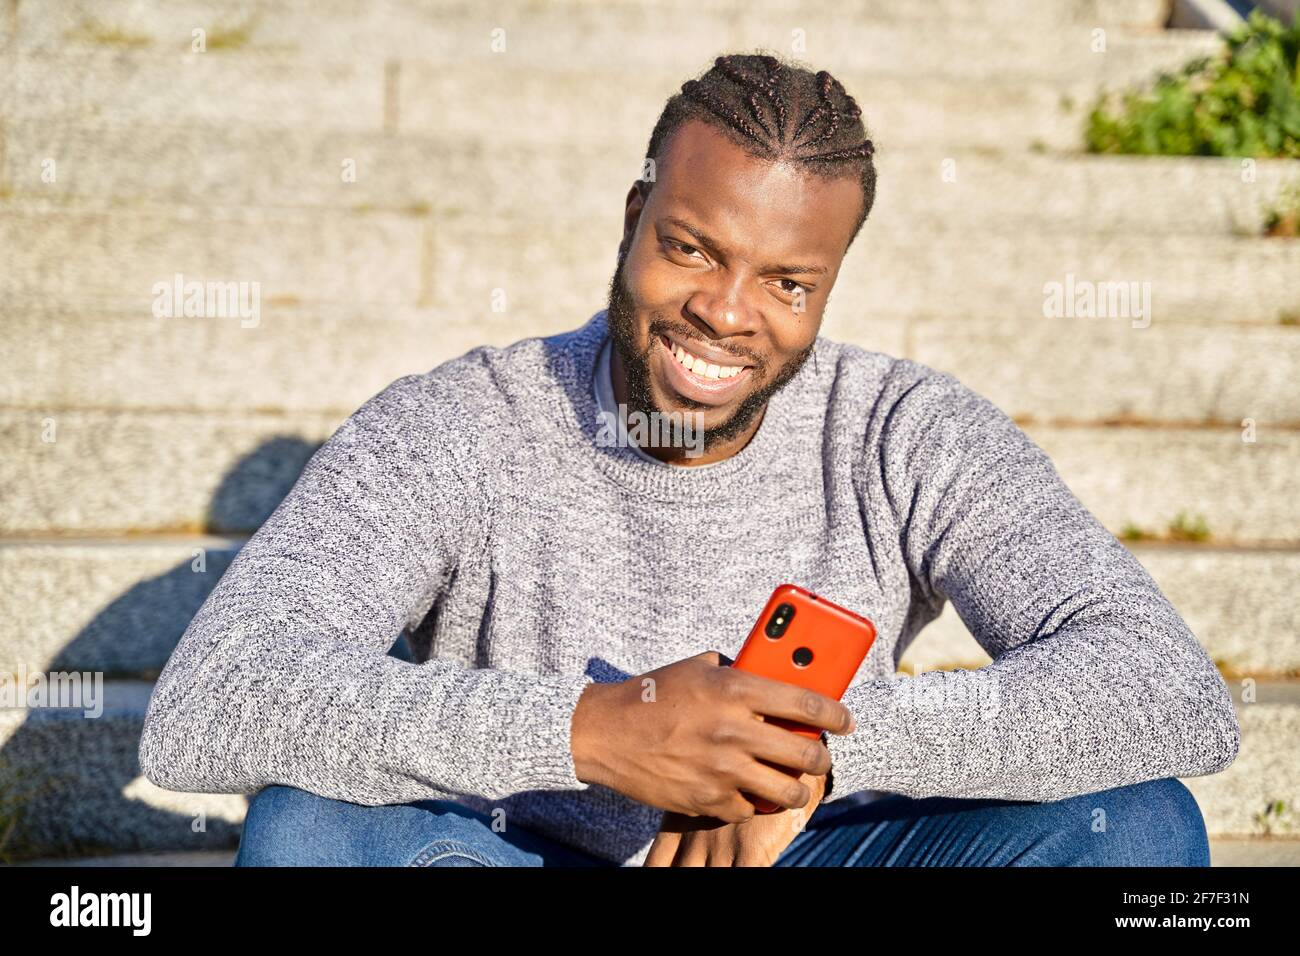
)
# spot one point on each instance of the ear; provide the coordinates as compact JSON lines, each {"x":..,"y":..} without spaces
{"x":635,"y":202}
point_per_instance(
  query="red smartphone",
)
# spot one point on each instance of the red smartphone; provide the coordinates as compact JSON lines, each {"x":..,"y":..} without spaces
{"x":806,"y":640}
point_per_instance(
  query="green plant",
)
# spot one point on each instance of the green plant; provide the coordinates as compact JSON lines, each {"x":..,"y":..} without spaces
{"x":1274,"y":816}
{"x":1283,"y":219}
{"x":1243,"y":102}
{"x":1183,"y":528}
{"x":1131,"y":532}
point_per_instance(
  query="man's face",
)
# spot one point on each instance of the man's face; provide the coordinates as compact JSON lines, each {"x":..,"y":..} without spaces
{"x":732,"y":259}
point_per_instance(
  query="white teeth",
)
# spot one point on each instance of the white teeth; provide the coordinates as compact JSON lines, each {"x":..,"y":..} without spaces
{"x":702,"y":368}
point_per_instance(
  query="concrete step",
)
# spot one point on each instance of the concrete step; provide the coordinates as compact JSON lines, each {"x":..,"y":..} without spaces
{"x":73,"y":783}
{"x":1145,"y":477}
{"x":148,"y":472}
{"x":327,"y":358}
{"x":102,"y":167}
{"x":119,"y":605}
{"x":1259,"y":794}
{"x":894,"y":40}
{"x":1265,"y":851}
{"x":116,"y":605}
{"x":92,"y":798}
{"x":269,"y":15}
{"x":1035,"y":369}
{"x":192,"y":858}
{"x":1042,"y":194}
{"x":509,"y":106}
{"x":311,"y":256}
{"x":293,"y":255}
{"x":119,"y":86}
{"x":1206,"y":279}
{"x":143,"y":472}
{"x":332,"y":358}
{"x":1227,"y":596}
{"x":508,"y":102}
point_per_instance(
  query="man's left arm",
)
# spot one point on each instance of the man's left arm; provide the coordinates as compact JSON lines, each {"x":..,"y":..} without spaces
{"x":1096,"y":680}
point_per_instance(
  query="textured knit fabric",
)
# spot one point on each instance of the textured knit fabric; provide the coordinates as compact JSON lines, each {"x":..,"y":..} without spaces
{"x":472,"y":505}
{"x":607,"y":404}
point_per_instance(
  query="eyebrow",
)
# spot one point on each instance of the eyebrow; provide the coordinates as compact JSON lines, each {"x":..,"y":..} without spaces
{"x":709,"y":243}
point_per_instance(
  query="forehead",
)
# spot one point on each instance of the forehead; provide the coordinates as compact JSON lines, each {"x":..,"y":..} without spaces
{"x":752,"y":207}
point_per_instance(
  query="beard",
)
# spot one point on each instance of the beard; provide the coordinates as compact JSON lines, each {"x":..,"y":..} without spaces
{"x":621,"y":320}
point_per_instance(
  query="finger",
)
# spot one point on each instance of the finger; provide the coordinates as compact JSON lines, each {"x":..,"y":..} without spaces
{"x":760,"y":780}
{"x":775,"y":698}
{"x":785,"y":748}
{"x":736,"y":810}
{"x":663,"y":849}
{"x":753,"y":857}
{"x":693,"y":850}
{"x":723,"y":848}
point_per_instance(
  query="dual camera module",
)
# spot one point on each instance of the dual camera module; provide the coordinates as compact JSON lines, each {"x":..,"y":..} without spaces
{"x":776,"y":628}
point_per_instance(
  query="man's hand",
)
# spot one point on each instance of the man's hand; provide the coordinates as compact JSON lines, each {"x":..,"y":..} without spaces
{"x":692,"y":738}
{"x":708,"y":841}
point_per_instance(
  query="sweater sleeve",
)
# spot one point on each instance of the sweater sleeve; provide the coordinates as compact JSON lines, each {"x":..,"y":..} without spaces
{"x":1096,"y":681}
{"x":283,"y":676}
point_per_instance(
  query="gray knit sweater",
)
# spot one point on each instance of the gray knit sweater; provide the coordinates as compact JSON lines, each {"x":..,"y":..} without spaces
{"x":474,"y":507}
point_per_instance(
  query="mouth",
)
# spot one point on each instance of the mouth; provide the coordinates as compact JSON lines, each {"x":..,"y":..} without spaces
{"x":702,"y":378}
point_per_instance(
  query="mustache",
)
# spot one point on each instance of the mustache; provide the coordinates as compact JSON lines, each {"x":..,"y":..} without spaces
{"x":687,"y":334}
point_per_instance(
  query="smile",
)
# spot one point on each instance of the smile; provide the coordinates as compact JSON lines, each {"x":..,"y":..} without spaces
{"x":701,"y":378}
{"x":700,"y":366}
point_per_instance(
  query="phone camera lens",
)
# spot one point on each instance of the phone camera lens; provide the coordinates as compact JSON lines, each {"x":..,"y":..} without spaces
{"x":802,"y":657}
{"x":779,"y":621}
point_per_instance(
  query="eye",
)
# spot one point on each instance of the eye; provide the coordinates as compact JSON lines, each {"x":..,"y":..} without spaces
{"x":682,"y":247}
{"x":797,"y":287}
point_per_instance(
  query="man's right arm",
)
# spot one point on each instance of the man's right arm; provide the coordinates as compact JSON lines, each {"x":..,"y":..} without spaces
{"x":283,"y":675}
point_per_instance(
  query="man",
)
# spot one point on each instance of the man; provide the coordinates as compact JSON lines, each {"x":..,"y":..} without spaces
{"x":561,"y":592}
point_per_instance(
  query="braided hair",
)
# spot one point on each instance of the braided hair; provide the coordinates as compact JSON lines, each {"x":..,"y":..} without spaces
{"x":778,"y":112}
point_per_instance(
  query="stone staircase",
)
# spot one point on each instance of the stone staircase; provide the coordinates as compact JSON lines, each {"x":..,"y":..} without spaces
{"x":478,"y":170}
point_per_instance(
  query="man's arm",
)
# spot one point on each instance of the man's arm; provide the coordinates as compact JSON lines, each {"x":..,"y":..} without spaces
{"x":1096,"y":681}
{"x":283,"y":675}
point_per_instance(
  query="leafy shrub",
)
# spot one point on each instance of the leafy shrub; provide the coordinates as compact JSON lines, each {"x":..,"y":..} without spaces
{"x":1243,"y":102}
{"x":1283,"y":219}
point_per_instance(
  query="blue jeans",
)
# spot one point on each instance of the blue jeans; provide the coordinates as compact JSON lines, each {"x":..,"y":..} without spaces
{"x":1156,"y":823}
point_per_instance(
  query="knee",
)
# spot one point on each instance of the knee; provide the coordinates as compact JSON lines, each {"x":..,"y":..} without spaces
{"x":1155,"y":823}
{"x":284,"y":827}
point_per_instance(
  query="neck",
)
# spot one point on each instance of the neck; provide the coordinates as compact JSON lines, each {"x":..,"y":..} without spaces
{"x":677,"y":456}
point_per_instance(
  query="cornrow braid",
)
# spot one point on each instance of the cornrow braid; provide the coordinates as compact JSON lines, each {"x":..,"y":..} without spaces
{"x":752,"y":98}
{"x":729,"y":70}
{"x":697,"y":91}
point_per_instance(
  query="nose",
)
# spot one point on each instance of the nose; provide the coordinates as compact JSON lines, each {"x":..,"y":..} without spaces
{"x":722,"y":307}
